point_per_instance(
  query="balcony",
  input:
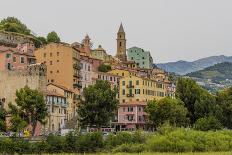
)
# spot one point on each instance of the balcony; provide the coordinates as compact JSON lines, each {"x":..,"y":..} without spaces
{"x":130,"y":86}
{"x":76,"y":66}
{"x":130,"y":95}
{"x":77,"y":85}
{"x":78,"y":75}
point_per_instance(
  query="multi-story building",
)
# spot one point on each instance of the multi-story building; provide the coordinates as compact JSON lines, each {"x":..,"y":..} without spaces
{"x":58,"y":100}
{"x":62,"y":63}
{"x":142,"y":58}
{"x":85,"y":47}
{"x":16,"y":58}
{"x":134,"y":93}
{"x":63,"y":69}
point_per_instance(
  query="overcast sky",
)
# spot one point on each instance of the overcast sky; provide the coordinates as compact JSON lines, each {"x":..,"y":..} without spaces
{"x":170,"y":29}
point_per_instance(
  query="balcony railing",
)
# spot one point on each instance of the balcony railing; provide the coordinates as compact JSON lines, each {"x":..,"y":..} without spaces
{"x":130,"y":95}
{"x":77,"y":85}
{"x":76,"y":66}
{"x":130,"y":86}
{"x":78,"y":75}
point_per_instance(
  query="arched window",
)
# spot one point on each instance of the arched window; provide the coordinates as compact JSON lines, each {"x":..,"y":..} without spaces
{"x":120,"y":43}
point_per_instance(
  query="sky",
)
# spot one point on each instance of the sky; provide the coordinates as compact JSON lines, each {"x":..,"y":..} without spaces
{"x":170,"y":29}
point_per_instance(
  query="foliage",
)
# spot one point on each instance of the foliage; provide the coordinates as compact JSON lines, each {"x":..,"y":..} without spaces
{"x":31,"y":108}
{"x":167,"y":110}
{"x":98,"y":106}
{"x":53,"y":37}
{"x":208,"y":123}
{"x":104,"y":68}
{"x":224,"y":99}
{"x":12,"y":24}
{"x":39,"y":41}
{"x":2,"y":119}
{"x":197,"y":100}
{"x":129,"y":148}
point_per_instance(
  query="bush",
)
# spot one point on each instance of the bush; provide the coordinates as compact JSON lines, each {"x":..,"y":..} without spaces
{"x":55,"y":144}
{"x":130,"y":148}
{"x":207,"y":123}
{"x":119,"y":139}
{"x":91,"y":142}
{"x":104,"y":68}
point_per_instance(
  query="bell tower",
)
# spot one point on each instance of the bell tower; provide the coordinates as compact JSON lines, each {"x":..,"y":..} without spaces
{"x":121,"y":44}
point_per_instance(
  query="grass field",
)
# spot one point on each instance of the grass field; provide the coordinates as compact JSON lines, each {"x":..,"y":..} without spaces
{"x":205,"y":153}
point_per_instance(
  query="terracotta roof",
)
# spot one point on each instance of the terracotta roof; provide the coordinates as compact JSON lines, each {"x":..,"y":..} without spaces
{"x":62,"y":87}
{"x":53,"y":93}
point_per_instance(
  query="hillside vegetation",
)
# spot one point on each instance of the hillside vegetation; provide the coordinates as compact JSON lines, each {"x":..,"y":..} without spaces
{"x":217,"y":73}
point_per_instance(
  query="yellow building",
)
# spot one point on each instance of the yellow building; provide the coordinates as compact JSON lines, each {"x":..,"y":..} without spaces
{"x":60,"y":106}
{"x":124,"y":72}
{"x":137,"y":89}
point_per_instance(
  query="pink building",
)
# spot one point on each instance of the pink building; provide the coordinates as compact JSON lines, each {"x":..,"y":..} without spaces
{"x":131,"y":116}
{"x":16,"y":58}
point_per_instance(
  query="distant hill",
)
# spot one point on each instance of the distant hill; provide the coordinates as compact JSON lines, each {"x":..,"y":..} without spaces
{"x":185,"y":67}
{"x":217,"y":73}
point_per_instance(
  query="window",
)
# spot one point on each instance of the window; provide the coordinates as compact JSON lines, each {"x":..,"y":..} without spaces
{"x":120,"y":43}
{"x":21,"y":60}
{"x":143,"y":58}
{"x":137,"y":82}
{"x":51,"y":72}
{"x":132,"y":58}
{"x":57,"y":61}
{"x":14,"y":59}
{"x":130,"y":109}
{"x":110,"y":78}
{"x":50,"y":62}
{"x":123,"y":101}
{"x":50,"y":54}
{"x":137,"y":91}
{"x":57,"y":71}
{"x":52,"y":80}
{"x":88,"y":68}
{"x":8,"y":55}
{"x":122,"y":74}
{"x":44,"y":55}
{"x":58,"y":53}
{"x":9,"y":66}
{"x":130,"y":117}
{"x":123,"y":83}
{"x":123,"y":92}
{"x":130,"y":83}
{"x":143,"y":62}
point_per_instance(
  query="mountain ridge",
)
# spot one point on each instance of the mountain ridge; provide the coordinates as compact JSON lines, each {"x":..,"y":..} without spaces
{"x":182,"y":67}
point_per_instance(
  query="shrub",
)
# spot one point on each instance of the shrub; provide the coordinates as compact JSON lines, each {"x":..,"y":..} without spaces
{"x":130,"y":148}
{"x":55,"y":144}
{"x":207,"y":123}
{"x":119,"y":139}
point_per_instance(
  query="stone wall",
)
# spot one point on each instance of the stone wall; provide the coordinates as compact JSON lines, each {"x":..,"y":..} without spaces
{"x":34,"y":76}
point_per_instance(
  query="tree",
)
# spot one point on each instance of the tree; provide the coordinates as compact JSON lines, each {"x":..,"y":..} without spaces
{"x":104,"y":68}
{"x":53,"y":37}
{"x":12,"y":24}
{"x":98,"y":106}
{"x":39,"y":41}
{"x":167,"y":110}
{"x":224,"y":100}
{"x":208,"y":123}
{"x":2,"y":119}
{"x":30,"y":109}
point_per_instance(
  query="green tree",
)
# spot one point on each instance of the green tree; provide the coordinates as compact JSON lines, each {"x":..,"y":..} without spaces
{"x":2,"y":119}
{"x":167,"y":110}
{"x":30,"y":109}
{"x":208,"y":123}
{"x":98,"y":106}
{"x":39,"y":41}
{"x":53,"y":37}
{"x":12,"y":24}
{"x":224,"y":100}
{"x":104,"y":68}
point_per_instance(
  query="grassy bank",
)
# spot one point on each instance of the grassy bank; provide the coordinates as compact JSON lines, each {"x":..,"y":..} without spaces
{"x":190,"y":153}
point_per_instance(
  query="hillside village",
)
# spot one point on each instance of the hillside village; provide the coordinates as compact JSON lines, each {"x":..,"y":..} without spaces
{"x":61,"y":71}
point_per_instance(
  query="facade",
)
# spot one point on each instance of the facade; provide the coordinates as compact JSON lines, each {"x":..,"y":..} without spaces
{"x":12,"y":39}
{"x":62,"y":63}
{"x":142,"y":58}
{"x":121,"y":44}
{"x":34,"y":76}
{"x":100,"y":53}
{"x":16,"y":58}
{"x":59,"y":99}
{"x":111,"y":78}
